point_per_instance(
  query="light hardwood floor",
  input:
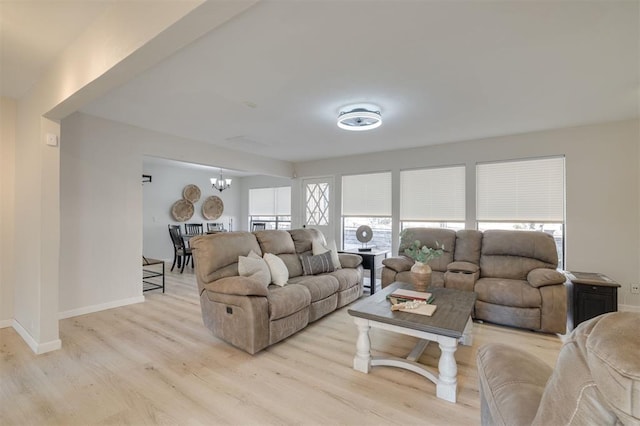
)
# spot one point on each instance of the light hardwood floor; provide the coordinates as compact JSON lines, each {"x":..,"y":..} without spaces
{"x":155,"y":363}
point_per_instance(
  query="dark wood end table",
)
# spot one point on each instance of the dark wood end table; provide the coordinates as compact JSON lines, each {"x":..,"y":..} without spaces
{"x":371,"y":260}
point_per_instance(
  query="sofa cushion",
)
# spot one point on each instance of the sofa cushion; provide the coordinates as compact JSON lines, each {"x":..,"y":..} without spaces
{"x":254,"y":266}
{"x":432,"y":237}
{"x":275,"y":241}
{"x":468,"y":245}
{"x":319,"y":286}
{"x":287,"y":300}
{"x":303,"y":239}
{"x":346,"y":277}
{"x":513,"y":254}
{"x":513,"y":267}
{"x":279,"y":271}
{"x":319,"y":248}
{"x":313,"y":265}
{"x":502,"y":291}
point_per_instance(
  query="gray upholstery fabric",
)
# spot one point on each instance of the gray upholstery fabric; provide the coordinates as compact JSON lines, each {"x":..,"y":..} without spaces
{"x":275,"y":241}
{"x":399,"y":263}
{"x":349,"y":260}
{"x":596,"y":380}
{"x":286,"y":300}
{"x":239,"y":312}
{"x":303,"y":239}
{"x":501,"y":291}
{"x":239,"y":320}
{"x":429,"y":237}
{"x":468,"y":246}
{"x":319,"y":286}
{"x":317,"y":264}
{"x":513,"y":273}
{"x":213,"y":264}
{"x":512,"y":384}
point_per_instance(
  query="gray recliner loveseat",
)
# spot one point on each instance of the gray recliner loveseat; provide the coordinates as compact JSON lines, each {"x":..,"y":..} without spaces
{"x":252,"y":315}
{"x":513,"y":273}
{"x":596,"y":380}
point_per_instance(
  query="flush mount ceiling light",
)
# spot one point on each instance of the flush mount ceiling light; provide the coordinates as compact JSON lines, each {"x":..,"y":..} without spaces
{"x":359,"y":117}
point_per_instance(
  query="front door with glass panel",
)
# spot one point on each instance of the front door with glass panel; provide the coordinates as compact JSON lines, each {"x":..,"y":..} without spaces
{"x":318,"y":205}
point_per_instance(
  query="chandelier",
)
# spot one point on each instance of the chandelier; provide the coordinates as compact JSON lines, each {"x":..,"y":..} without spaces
{"x":220,"y":184}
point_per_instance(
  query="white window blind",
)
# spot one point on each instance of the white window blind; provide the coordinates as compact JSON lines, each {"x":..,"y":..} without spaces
{"x":524,"y":190}
{"x":270,"y":201}
{"x":366,"y":195}
{"x":435,"y":195}
{"x":283,"y":201}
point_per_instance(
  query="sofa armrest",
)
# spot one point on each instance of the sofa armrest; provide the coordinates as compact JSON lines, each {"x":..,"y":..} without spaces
{"x":511,"y":384}
{"x":463,"y":267}
{"x":541,"y":277}
{"x":348,"y":260}
{"x":398,"y":263}
{"x":240,"y":286}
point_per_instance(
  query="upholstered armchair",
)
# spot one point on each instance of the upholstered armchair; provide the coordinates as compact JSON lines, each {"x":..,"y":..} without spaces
{"x":596,"y":380}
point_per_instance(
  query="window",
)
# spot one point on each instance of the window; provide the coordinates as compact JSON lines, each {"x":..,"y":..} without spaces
{"x":271,"y":206}
{"x":366,"y":200}
{"x":433,"y":197}
{"x":523,"y":194}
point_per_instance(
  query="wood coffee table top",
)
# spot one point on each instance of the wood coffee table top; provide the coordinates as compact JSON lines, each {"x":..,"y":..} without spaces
{"x":450,"y":318}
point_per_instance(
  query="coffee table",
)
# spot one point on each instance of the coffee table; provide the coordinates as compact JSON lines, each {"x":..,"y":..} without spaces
{"x":451,"y":323}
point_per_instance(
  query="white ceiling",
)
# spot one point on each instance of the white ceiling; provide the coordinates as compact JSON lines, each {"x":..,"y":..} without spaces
{"x":33,"y":33}
{"x":272,"y":80}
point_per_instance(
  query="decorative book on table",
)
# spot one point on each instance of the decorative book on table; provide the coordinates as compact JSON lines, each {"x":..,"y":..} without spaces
{"x":401,"y":295}
{"x":416,"y":302}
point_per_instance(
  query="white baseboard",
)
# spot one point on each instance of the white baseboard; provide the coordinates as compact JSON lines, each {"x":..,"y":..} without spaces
{"x":37,"y":348}
{"x":629,"y":308}
{"x":100,"y":307}
{"x":6,"y":323}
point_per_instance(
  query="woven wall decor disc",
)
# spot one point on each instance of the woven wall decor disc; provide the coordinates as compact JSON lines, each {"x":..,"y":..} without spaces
{"x":191,"y":193}
{"x":182,"y":210}
{"x":364,"y":234}
{"x":212,"y":208}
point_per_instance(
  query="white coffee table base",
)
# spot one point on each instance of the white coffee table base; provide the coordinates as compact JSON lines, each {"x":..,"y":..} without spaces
{"x":446,"y":381}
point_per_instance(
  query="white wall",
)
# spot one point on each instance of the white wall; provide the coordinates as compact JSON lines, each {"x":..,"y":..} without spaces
{"x":101,"y":203}
{"x":602,"y":188}
{"x":165,"y":189}
{"x":7,"y":205}
{"x":100,"y":59}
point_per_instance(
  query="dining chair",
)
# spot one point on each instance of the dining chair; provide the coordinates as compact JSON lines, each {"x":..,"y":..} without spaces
{"x":214,"y":226}
{"x":193,"y":228}
{"x":258,"y":226}
{"x":181,"y":253}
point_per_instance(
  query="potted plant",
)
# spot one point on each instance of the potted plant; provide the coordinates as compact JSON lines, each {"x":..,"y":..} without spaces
{"x":421,"y":254}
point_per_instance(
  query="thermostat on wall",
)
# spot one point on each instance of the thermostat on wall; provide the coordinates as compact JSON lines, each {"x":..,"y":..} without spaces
{"x":52,"y":140}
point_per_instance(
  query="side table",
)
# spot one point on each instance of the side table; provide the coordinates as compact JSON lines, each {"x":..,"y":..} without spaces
{"x":147,"y":274}
{"x":593,"y":294}
{"x":371,"y":260}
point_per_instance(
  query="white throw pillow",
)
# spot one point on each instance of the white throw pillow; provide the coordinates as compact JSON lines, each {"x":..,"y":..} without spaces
{"x":318,"y":248}
{"x":249,"y":266}
{"x":279,"y":271}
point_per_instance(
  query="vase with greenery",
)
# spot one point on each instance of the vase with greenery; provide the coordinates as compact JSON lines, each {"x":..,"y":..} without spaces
{"x":421,"y":271}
